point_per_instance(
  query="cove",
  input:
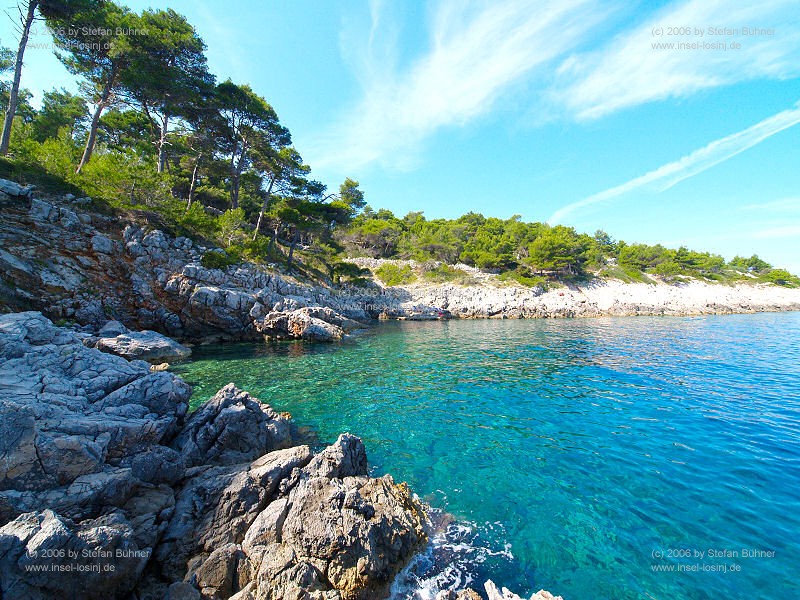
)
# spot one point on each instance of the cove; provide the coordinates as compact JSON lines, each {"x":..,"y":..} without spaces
{"x":596,"y":458}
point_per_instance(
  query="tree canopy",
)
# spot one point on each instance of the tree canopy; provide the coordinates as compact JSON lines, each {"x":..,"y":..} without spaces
{"x":152,"y":128}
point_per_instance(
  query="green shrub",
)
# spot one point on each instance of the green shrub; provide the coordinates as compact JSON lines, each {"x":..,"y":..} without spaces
{"x":391,"y":274}
{"x":780,"y":277}
{"x":219,"y":260}
{"x":524,"y":277}
{"x":196,"y":221}
{"x":443,"y":273}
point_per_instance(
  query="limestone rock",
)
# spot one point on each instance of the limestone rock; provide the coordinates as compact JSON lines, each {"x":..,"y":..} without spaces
{"x":338,"y":533}
{"x":493,"y":593}
{"x":232,"y":427}
{"x":69,"y":415}
{"x":300,"y":324}
{"x":98,"y":457}
{"x":44,"y":540}
{"x":14,"y":189}
{"x":345,"y":458}
{"x":218,"y":505}
{"x":144,"y":345}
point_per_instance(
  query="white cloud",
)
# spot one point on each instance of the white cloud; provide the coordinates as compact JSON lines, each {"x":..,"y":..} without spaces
{"x":784,"y":231}
{"x":671,"y":174}
{"x":477,"y":51}
{"x":784,"y":205}
{"x":629,"y":71}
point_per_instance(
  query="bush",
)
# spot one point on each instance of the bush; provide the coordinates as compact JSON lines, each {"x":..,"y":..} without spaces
{"x":391,"y":274}
{"x":780,"y":277}
{"x":219,"y":260}
{"x":442,"y":273}
{"x":524,"y":277}
{"x":196,"y":221}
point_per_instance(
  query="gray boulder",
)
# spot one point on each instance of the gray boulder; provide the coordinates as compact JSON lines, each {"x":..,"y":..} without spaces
{"x":144,"y":345}
{"x":14,"y":189}
{"x":232,"y":427}
{"x":43,"y":540}
{"x":301,"y":324}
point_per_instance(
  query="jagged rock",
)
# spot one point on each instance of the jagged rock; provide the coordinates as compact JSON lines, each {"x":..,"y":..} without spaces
{"x":224,"y":572}
{"x":96,"y":456}
{"x":43,"y":540}
{"x":232,"y":427}
{"x":299,"y":324}
{"x":219,"y":504}
{"x":144,"y":345}
{"x":67,"y":412}
{"x":14,"y":189}
{"x":493,"y":593}
{"x":155,"y":464}
{"x":338,"y":533}
{"x":346,"y":458}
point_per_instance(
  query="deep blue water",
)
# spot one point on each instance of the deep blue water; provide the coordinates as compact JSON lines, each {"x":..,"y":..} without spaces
{"x":572,"y":454}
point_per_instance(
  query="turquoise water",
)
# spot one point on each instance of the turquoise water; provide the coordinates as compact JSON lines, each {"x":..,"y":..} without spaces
{"x":579,"y":456}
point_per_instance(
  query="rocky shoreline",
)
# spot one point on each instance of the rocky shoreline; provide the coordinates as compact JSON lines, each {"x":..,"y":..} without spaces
{"x":110,"y":489}
{"x":70,"y":264}
{"x":102,"y":466}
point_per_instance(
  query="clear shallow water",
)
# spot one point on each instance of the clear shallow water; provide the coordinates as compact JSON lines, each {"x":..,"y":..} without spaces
{"x":572,"y":453}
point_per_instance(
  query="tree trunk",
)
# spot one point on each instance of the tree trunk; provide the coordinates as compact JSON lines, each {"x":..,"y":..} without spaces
{"x":193,"y":183}
{"x":295,"y":237}
{"x":235,"y":172}
{"x":273,"y":241}
{"x":162,"y":142}
{"x":101,"y":106}
{"x":14,"y":93}
{"x":263,"y":208}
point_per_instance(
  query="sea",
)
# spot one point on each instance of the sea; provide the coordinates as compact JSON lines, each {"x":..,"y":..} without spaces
{"x":606,"y":458}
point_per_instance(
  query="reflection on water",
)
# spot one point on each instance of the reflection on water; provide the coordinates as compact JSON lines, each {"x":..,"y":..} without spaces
{"x":570,"y":452}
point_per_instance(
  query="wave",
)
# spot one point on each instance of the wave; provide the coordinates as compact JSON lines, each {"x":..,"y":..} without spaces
{"x":453,"y":559}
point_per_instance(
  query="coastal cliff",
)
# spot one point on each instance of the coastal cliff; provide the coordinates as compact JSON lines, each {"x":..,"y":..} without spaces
{"x":86,"y":267}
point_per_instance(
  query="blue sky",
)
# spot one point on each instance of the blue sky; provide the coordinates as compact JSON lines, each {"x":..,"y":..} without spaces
{"x":560,"y":111}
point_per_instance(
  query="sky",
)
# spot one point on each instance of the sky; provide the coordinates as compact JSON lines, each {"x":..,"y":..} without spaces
{"x":575,"y":112}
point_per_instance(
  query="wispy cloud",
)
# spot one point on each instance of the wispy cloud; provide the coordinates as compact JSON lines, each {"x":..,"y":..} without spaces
{"x":784,"y":205}
{"x":671,"y":174}
{"x":631,"y":70}
{"x":783,"y":231}
{"x":477,"y":51}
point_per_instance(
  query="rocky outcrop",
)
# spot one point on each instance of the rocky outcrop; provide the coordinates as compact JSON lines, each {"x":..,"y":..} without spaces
{"x":315,"y":324}
{"x":232,"y":427}
{"x":108,"y":489}
{"x":494,"y":593}
{"x":143,"y":345}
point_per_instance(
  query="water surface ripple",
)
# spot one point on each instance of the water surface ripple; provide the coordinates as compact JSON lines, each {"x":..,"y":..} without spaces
{"x":580,"y":456}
